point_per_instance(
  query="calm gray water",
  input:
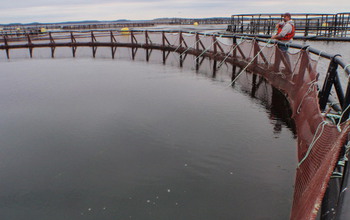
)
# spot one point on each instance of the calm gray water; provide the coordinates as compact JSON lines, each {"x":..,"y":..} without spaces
{"x":119,"y":139}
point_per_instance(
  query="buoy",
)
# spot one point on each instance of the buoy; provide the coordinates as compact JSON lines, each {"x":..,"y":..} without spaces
{"x":195,"y":23}
{"x":18,"y":29}
{"x":42,"y":30}
{"x":125,"y":30}
{"x":325,"y":24}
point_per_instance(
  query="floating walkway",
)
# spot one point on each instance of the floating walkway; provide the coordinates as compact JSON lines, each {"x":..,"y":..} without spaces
{"x":320,"y":109}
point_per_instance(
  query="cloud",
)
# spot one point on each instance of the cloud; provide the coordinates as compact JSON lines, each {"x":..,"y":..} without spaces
{"x":74,"y":10}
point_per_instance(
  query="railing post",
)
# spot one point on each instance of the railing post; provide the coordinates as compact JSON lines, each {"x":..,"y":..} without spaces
{"x":215,"y":49}
{"x":113,"y":41}
{"x":132,"y":44}
{"x":93,"y":40}
{"x":306,"y":26}
{"x":328,"y":82}
{"x":52,"y":42}
{"x":146,"y":40}
{"x":146,"y":37}
{"x":335,"y":25}
{"x":163,"y":44}
{"x":30,"y":46}
{"x":7,"y":49}
{"x":180,"y":47}
{"x":73,"y":41}
{"x":132,"y":38}
{"x":346,"y":102}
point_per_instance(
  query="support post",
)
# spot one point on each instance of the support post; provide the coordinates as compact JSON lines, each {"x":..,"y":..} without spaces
{"x":147,"y":41}
{"x":7,"y":49}
{"x":197,"y":50}
{"x":133,"y":52}
{"x":327,"y":85}
{"x":113,"y":48}
{"x":180,"y":46}
{"x":73,"y":41}
{"x":163,"y":44}
{"x":52,"y":42}
{"x":346,"y":101}
{"x":30,"y":46}
{"x":215,"y":48}
{"x":93,"y":40}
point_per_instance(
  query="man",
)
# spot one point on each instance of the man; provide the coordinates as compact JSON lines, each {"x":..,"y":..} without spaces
{"x":285,"y":31}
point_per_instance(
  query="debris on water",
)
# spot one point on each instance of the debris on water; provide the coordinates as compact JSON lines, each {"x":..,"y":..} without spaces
{"x":231,"y":173}
{"x":89,"y":209}
{"x":168,"y":190}
{"x":148,"y":201}
{"x":104,"y":208}
{"x":185,"y":164}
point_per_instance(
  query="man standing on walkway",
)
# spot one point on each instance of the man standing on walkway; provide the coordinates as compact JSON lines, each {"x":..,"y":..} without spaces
{"x":285,"y":31}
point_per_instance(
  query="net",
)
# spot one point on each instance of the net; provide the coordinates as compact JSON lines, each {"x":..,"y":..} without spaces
{"x":318,"y":140}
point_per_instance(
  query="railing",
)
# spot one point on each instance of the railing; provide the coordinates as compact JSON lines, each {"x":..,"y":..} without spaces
{"x":50,"y":40}
{"x":213,"y":49}
{"x":307,"y":25}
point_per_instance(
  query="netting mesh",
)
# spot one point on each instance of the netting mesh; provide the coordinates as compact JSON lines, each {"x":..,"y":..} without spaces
{"x":319,"y":141}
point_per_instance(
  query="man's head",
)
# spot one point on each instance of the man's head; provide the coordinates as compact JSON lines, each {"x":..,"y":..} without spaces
{"x":287,"y":17}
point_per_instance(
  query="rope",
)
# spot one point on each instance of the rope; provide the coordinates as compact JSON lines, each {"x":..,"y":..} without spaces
{"x":177,"y":48}
{"x":228,"y":54}
{"x":295,"y":66}
{"x":205,"y":50}
{"x":319,"y":55}
{"x":312,"y":83}
{"x":342,"y":161}
{"x":341,"y":117}
{"x":190,"y":47}
{"x":314,"y":140}
{"x":270,"y":63}
{"x":336,"y":175}
{"x":234,"y":80}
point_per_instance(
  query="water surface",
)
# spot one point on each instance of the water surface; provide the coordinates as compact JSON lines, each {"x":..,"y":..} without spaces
{"x":119,"y":139}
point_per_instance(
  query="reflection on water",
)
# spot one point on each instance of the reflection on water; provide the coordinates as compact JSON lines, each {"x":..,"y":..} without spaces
{"x":119,"y":139}
{"x":272,"y":100}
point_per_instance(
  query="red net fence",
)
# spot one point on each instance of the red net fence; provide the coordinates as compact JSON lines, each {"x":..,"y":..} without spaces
{"x":319,"y":139}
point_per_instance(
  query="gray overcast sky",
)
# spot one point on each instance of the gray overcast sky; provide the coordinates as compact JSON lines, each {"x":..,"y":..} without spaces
{"x":26,"y":11}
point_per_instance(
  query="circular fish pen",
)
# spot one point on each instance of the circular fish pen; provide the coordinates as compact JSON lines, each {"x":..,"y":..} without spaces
{"x":321,"y":126}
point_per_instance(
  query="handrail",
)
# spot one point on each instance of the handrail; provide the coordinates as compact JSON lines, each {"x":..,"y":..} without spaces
{"x":334,"y":58}
{"x":315,"y":51}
